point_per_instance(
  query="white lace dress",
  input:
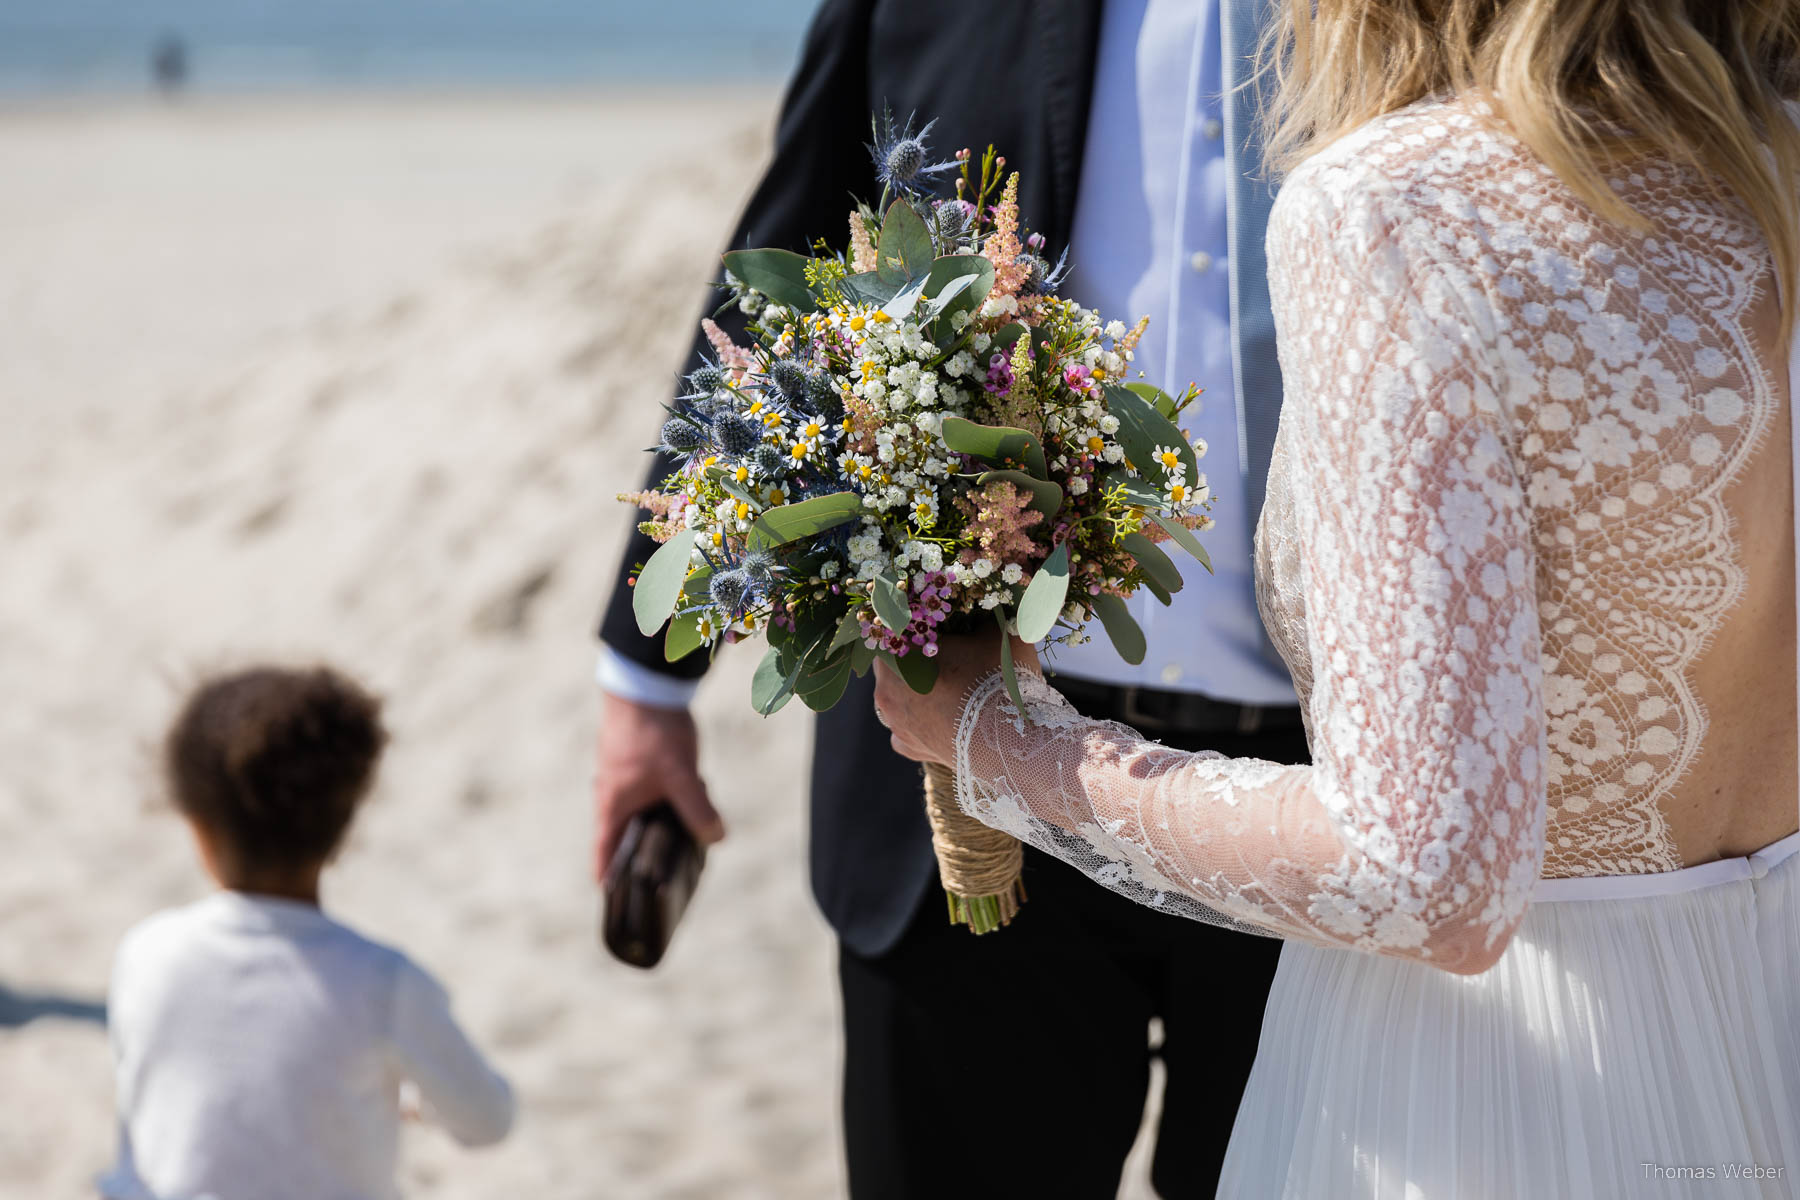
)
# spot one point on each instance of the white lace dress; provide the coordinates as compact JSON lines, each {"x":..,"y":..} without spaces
{"x":1503,"y":551}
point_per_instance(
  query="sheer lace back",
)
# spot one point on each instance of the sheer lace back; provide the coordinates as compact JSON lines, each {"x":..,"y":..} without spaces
{"x":1528,"y":550}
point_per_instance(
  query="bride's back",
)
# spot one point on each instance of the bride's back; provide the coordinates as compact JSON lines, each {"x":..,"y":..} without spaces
{"x":1646,"y":376}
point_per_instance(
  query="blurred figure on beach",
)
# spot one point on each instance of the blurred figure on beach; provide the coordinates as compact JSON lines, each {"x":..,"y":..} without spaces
{"x":261,"y":1047}
{"x":169,"y":65}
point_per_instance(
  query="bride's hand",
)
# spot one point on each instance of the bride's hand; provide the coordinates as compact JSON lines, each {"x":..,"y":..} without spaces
{"x":924,"y":727}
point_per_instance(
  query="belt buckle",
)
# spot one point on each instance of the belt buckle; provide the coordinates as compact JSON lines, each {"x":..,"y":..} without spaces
{"x":1135,"y":716}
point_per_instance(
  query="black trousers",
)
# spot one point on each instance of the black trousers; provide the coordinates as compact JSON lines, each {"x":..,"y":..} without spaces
{"x":1016,"y":1064}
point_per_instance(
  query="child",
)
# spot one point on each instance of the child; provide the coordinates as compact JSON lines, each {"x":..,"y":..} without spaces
{"x":260,"y":1045}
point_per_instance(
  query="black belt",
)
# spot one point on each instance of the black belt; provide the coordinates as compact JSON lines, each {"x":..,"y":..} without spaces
{"x":1155,"y":711}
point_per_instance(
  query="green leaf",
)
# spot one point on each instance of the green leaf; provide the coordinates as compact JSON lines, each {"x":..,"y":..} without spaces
{"x":659,"y":583}
{"x":699,"y":581}
{"x":778,"y":274}
{"x":1046,"y":497}
{"x":1159,"y":591}
{"x":1183,"y":537}
{"x":999,"y":445}
{"x":790,"y":522}
{"x":733,"y":488}
{"x":862,"y":657}
{"x":1009,"y":674}
{"x":919,"y":672}
{"x":890,"y":603}
{"x":1122,"y":629}
{"x":821,"y":689}
{"x":771,"y":686}
{"x":946,"y":290}
{"x":1165,"y":403}
{"x":868,"y":288}
{"x":904,"y":251}
{"x":1157,"y":565}
{"x":1044,"y":597}
{"x":1136,"y":490}
{"x":905,"y":300}
{"x":1005,"y":337}
{"x":849,"y":630}
{"x":683,"y":637}
{"x":1142,"y":428}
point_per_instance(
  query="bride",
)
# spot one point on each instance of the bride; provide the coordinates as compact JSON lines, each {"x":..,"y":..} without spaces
{"x":1529,"y":551}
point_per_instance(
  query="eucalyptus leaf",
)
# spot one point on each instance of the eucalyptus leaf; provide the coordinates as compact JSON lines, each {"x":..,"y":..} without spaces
{"x":1136,"y":490}
{"x":1157,"y":565}
{"x":1002,"y":446}
{"x":659,"y":583}
{"x":919,"y":672}
{"x":1126,"y":635}
{"x":699,"y":581}
{"x":1009,"y":674}
{"x":820,"y":686}
{"x":778,"y":274}
{"x":905,"y":300}
{"x":849,"y":630}
{"x":941,"y":285}
{"x":862,"y":657}
{"x":890,"y":603}
{"x":771,"y":686}
{"x":904,"y":251}
{"x":868,"y":288}
{"x":1142,"y":428}
{"x":683,"y":637}
{"x":1183,"y":537}
{"x":1165,"y":403}
{"x":1044,"y":597}
{"x":790,"y":522}
{"x":1046,"y":497}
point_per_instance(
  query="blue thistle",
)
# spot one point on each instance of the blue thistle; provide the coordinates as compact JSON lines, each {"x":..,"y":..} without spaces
{"x":706,"y":379}
{"x":1042,"y":279}
{"x":681,"y":437}
{"x":732,"y":591}
{"x":789,"y":377}
{"x":761,"y":568}
{"x":736,"y":434}
{"x":822,"y":395}
{"x":901,"y":155}
{"x":770,"y":461}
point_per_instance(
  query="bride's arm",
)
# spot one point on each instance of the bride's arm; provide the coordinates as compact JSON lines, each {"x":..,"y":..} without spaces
{"x":1419,"y":831}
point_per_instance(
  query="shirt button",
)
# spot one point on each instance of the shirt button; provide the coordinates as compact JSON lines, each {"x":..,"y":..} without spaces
{"x":1212,"y":129}
{"x":1171,"y":673}
{"x":1201,"y":261}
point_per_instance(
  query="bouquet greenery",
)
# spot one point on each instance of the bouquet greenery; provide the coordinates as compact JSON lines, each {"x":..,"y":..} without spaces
{"x":922,"y":438}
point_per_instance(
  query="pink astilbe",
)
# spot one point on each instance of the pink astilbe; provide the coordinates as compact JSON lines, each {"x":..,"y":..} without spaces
{"x":1002,"y":247}
{"x":665,"y":508}
{"x":732,"y":356}
{"x":1000,"y":521}
{"x":862,"y":250}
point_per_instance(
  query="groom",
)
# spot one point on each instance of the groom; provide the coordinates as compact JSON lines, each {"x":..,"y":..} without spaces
{"x":966,"y":1057}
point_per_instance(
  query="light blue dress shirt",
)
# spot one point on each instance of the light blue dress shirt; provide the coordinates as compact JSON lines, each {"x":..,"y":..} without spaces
{"x":1151,"y":237}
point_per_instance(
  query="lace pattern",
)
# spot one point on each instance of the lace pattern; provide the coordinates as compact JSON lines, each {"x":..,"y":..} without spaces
{"x":1495,"y":544}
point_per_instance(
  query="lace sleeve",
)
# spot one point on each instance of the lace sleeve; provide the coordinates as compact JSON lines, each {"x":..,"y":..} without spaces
{"x":1419,"y":831}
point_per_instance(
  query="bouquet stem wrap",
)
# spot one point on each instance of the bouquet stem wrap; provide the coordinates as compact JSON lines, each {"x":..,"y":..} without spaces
{"x":980,"y":868}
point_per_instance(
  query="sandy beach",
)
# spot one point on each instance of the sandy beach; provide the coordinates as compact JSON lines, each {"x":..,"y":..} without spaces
{"x":358,"y":379}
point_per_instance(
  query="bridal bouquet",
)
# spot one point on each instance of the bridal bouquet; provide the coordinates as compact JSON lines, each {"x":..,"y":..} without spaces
{"x":921,"y":438}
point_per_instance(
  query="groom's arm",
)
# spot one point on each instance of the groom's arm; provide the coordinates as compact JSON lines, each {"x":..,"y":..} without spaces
{"x":818,"y":165}
{"x":648,"y":746}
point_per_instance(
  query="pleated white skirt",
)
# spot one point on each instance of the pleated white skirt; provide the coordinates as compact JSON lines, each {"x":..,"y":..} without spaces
{"x":1640,"y":1037}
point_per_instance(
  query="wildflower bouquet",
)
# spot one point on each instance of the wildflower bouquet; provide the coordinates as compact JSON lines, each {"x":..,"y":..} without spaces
{"x":922,"y":439}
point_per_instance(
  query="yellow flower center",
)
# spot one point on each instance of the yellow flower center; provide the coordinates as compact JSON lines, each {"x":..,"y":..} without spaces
{"x":1098,"y":373}
{"x":1178,"y":493}
{"x":856,"y":323}
{"x":1170,"y":459}
{"x":1096,"y":446}
{"x":777,"y":498}
{"x":741,"y":474}
{"x":743,"y":510}
{"x":813,"y":429}
{"x":799,"y":450}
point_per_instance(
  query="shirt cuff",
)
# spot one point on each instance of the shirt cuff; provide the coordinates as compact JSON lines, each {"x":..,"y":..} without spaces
{"x":619,"y":676}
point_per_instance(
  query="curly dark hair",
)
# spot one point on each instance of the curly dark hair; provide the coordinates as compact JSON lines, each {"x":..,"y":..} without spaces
{"x":274,"y":761}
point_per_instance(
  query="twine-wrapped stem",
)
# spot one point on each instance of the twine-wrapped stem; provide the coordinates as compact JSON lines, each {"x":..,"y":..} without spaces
{"x":980,"y":867}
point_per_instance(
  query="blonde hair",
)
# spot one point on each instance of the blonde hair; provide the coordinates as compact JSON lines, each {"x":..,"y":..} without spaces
{"x":1583,"y":83}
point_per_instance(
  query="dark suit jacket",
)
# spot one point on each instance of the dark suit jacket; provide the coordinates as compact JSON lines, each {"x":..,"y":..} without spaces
{"x":1014,"y":73}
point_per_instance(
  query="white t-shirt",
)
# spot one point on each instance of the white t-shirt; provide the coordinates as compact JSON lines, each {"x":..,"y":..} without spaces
{"x":261,"y":1047}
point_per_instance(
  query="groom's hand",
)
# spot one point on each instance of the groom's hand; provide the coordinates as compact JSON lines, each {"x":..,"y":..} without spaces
{"x":647,"y":755}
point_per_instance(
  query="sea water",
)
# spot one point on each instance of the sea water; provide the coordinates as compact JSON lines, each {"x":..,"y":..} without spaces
{"x":51,"y":47}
